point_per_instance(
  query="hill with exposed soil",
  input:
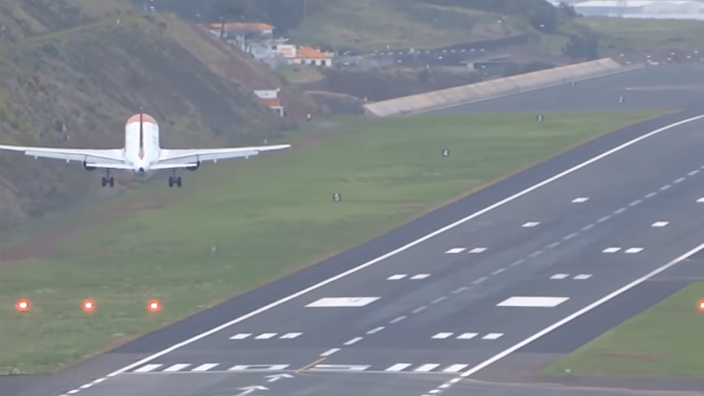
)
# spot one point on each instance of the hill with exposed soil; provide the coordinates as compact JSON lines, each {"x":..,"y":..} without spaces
{"x":72,"y":71}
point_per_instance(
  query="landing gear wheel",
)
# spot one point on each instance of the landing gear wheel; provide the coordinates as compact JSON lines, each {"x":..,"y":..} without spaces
{"x":108,"y":180}
{"x":175,"y":180}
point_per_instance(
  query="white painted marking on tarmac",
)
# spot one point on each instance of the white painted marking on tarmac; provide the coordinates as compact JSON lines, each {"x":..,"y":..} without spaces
{"x":467,"y":336}
{"x":553,"y":245}
{"x":700,"y":199}
{"x":692,"y":173}
{"x":559,"y":276}
{"x":480,"y":280}
{"x":420,"y":276}
{"x":426,"y":367}
{"x":498,"y":271}
{"x":290,"y":336}
{"x":398,"y":367}
{"x":205,"y":367}
{"x":265,"y":336}
{"x":404,"y":248}
{"x":574,"y":316}
{"x":534,"y":302}
{"x":419,"y":309}
{"x":441,"y":336}
{"x":148,"y":368}
{"x":258,"y":367}
{"x":492,"y":336}
{"x":455,"y":250}
{"x":240,"y":336}
{"x":336,"y":302}
{"x":603,"y":219}
{"x":396,"y":277}
{"x":439,"y":299}
{"x":330,"y":352}
{"x":665,"y":187}
{"x":660,"y":224}
{"x":339,"y":367}
{"x":518,"y":262}
{"x":376,"y":330}
{"x":535,"y":253}
{"x":611,"y":250}
{"x":478,"y":250}
{"x":176,"y":367}
{"x":531,"y":224}
{"x":680,"y":180}
{"x":650,"y":195}
{"x":619,"y":211}
{"x":400,"y":318}
{"x":580,"y":200}
{"x":582,"y":277}
{"x":634,"y":250}
{"x":636,"y":202}
{"x":353,"y":341}
{"x":455,"y":368}
{"x":570,"y":236}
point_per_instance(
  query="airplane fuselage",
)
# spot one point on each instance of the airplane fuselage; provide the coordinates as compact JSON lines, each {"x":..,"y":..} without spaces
{"x":142,"y":148}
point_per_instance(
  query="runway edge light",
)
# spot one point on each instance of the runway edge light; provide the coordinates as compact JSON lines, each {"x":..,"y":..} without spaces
{"x":22,"y":305}
{"x":701,"y":305}
{"x":153,"y":306}
{"x":88,"y":306}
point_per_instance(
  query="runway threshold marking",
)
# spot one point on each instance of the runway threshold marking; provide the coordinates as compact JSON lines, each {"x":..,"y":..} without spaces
{"x":563,"y":322}
{"x":396,"y":251}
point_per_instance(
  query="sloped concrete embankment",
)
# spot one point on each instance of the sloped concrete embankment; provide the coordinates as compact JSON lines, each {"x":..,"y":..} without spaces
{"x":486,"y":90}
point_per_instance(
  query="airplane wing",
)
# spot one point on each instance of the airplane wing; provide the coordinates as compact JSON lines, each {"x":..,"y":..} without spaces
{"x":105,"y":158}
{"x":191,"y":157}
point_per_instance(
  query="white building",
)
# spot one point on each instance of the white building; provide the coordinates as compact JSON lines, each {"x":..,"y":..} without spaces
{"x":640,"y":8}
{"x":270,"y":97}
{"x":303,"y":55}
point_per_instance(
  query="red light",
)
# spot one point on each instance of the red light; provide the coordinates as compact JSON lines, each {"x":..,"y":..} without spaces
{"x":701,"y":305}
{"x":88,"y":306}
{"x":22,"y":305}
{"x":153,"y":306}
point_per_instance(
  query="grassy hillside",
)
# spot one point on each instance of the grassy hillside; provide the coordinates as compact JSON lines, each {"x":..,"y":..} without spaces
{"x":72,"y":71}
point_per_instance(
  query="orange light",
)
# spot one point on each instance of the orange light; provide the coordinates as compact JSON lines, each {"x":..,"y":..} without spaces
{"x":22,"y":305}
{"x":701,"y":305}
{"x":153,"y":306}
{"x":88,"y":306}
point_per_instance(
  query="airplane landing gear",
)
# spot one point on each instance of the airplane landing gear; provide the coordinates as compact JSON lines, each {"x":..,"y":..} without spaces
{"x":108,"y":179}
{"x":174,"y":180}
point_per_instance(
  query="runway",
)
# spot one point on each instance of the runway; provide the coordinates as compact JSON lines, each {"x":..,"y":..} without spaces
{"x":432,"y":317}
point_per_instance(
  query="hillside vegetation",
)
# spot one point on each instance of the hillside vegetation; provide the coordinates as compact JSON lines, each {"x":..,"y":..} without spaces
{"x":365,"y":25}
{"x":72,"y":71}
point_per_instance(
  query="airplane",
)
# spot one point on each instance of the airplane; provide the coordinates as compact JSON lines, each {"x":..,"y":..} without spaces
{"x":142,"y":153}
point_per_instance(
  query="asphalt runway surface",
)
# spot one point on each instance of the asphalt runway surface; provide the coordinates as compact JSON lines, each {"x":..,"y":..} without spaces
{"x":421,"y":321}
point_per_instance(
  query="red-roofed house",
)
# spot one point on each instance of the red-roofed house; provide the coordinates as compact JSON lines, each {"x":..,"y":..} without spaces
{"x":303,"y":55}
{"x":270,"y":97}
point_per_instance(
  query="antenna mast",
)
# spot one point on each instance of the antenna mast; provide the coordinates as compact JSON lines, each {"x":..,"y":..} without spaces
{"x":621,"y":7}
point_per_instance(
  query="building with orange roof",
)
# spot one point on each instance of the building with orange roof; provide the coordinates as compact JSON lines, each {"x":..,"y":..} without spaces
{"x":231,"y":29}
{"x":304,"y":55}
{"x":270,"y":97}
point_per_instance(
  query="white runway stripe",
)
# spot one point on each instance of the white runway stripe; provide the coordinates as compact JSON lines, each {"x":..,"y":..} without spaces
{"x":205,"y":367}
{"x":176,"y":367}
{"x":223,"y":367}
{"x":148,"y":368}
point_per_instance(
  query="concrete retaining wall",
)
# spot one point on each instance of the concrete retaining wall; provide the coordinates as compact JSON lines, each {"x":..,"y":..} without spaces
{"x":456,"y":96}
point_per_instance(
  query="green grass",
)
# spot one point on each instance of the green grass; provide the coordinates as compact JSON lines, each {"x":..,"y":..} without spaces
{"x":268,"y":217}
{"x":662,"y":342}
{"x":647,"y":34}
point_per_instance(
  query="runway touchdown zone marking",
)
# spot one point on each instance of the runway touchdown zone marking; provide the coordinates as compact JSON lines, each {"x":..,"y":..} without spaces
{"x":532,"y":302}
{"x":391,"y":254}
{"x":564,"y":321}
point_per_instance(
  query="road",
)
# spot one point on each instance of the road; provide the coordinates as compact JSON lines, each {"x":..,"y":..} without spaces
{"x":413,"y":321}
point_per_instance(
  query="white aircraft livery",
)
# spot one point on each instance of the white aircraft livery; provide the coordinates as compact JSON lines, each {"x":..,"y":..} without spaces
{"x":142,"y":153}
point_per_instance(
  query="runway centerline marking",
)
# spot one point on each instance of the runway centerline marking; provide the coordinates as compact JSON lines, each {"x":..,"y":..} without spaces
{"x":573,"y":316}
{"x":405,"y":247}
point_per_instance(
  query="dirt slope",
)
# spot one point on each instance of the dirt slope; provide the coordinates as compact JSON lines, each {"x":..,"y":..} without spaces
{"x":72,"y":71}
